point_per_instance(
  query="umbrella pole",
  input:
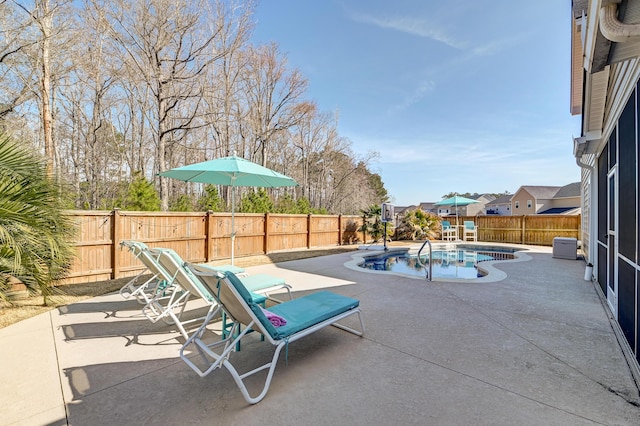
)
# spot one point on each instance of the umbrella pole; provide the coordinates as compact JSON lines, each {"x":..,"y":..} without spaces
{"x":233,"y":224}
{"x":455,"y":206}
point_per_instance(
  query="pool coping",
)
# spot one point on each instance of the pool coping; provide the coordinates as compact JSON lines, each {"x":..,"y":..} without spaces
{"x":492,"y":274}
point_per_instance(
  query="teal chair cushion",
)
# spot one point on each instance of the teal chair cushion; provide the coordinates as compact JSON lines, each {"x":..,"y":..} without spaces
{"x":260,"y":281}
{"x":309,"y":310}
{"x":300,"y":313}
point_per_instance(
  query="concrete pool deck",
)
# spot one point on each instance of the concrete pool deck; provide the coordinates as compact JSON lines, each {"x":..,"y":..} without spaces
{"x":535,"y":348}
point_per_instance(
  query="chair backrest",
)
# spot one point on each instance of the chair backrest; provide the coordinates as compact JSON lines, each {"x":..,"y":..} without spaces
{"x":148,"y":257}
{"x":174,"y":265}
{"x":238,"y":303}
{"x":135,"y":247}
{"x":207,"y":276}
{"x":446,"y":224}
{"x":235,"y":299}
{"x":469,"y":224}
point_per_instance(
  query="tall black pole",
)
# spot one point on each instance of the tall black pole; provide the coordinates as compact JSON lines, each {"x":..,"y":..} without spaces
{"x":385,"y":236}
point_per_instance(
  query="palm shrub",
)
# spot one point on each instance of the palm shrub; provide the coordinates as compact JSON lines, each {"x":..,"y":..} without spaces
{"x":372,"y":223}
{"x":35,"y":236}
{"x":418,"y":225}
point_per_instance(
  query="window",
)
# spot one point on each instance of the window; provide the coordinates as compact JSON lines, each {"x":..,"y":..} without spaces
{"x":517,"y":204}
{"x":529,"y":204}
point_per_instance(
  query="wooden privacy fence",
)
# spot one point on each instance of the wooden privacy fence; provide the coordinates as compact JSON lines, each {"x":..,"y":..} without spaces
{"x":204,"y":237}
{"x":197,"y":237}
{"x":528,"y":229}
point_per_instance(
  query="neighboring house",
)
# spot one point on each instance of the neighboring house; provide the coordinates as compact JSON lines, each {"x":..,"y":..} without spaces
{"x":605,"y":76}
{"x":401,"y":210}
{"x":566,"y":201}
{"x":428,"y":207}
{"x":546,"y":200}
{"x":473,"y":209}
{"x":445,"y":210}
{"x":479,"y":207}
{"x":500,"y":206}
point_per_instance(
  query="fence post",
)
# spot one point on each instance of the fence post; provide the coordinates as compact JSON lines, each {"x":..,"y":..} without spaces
{"x":340,"y":229}
{"x":115,"y":239}
{"x":265,"y":242}
{"x":524,"y":228}
{"x":207,"y":236}
{"x":309,"y":231}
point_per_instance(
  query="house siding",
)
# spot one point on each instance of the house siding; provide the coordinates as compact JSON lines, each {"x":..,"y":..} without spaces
{"x":500,"y":209}
{"x":610,"y":178}
{"x":585,"y":188}
{"x":564,"y":202}
{"x":522,"y":196}
{"x":620,"y":155}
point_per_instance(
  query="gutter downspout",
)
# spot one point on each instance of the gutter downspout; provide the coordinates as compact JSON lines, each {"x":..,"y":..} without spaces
{"x":612,"y":28}
{"x":584,"y":165}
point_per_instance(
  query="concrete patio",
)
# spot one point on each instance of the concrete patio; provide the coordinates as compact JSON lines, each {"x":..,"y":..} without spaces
{"x":534,"y":348}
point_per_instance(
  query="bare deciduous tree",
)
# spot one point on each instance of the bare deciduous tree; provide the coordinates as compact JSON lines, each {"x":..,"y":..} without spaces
{"x":13,"y":43}
{"x":165,"y":44}
{"x":223,"y":90}
{"x":46,"y":25}
{"x":273,"y":98}
{"x":122,"y":89}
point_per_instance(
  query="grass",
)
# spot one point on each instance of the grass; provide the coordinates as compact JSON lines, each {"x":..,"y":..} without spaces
{"x":24,"y":307}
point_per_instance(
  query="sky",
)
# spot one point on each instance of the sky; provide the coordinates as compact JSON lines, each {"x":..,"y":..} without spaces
{"x":455,"y":96}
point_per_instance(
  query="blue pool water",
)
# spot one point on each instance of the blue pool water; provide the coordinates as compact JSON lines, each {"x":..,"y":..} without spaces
{"x":452,"y":263}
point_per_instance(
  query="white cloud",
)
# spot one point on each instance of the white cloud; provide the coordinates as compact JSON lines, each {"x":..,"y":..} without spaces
{"x":430,"y":30}
{"x":424,"y":88}
{"x":418,"y":27}
{"x":496,"y":46}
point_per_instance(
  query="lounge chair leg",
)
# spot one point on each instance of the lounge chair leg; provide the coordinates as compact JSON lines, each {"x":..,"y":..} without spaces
{"x":239,"y":379}
{"x":138,"y":291}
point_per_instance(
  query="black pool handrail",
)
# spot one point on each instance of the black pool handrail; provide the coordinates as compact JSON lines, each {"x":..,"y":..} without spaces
{"x":430,"y":270}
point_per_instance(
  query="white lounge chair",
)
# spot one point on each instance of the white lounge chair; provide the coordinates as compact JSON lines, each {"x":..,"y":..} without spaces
{"x":259,"y":285}
{"x":143,"y":291}
{"x":157,"y":283}
{"x":135,"y":288}
{"x":303,"y":316}
{"x":166,"y":294}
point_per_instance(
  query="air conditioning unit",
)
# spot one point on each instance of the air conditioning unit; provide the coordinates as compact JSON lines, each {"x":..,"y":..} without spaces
{"x":565,"y":248}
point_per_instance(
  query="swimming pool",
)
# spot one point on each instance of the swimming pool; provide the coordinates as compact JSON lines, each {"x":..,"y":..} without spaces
{"x":450,"y":262}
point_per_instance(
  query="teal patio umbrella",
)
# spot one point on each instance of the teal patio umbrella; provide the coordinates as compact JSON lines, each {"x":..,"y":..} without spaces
{"x":456,"y":201}
{"x":230,"y":171}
